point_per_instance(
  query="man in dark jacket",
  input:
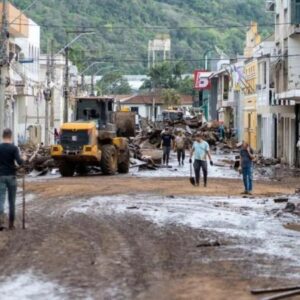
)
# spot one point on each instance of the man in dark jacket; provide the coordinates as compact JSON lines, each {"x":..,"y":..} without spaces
{"x":9,"y":155}
{"x":167,"y":140}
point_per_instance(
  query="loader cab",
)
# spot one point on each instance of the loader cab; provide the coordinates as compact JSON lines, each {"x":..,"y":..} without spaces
{"x":97,"y":109}
{"x":172,"y":116}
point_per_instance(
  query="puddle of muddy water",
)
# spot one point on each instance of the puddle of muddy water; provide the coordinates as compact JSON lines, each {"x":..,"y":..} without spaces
{"x":251,"y":222}
{"x":28,"y":286}
{"x":223,"y":168}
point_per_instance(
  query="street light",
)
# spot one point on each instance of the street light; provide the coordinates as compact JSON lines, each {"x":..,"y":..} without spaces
{"x":93,"y":75}
{"x":66,"y":49}
{"x":104,"y":69}
{"x":91,"y":65}
{"x":80,"y":34}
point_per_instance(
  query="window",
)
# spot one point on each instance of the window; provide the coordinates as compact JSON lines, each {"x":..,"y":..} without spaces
{"x":226,"y":87}
{"x":264,"y":81}
{"x":135,"y":109}
{"x":295,"y":11}
{"x":285,"y":15}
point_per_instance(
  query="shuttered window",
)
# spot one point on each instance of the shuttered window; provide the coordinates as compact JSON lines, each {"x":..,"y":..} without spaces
{"x":295,"y":11}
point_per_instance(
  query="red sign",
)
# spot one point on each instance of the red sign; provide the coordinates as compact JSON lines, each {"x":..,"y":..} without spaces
{"x":202,"y":80}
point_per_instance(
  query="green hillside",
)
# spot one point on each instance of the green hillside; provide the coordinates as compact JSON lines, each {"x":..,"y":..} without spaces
{"x":122,"y":33}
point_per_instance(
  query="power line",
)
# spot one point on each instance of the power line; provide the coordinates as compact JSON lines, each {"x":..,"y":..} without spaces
{"x":111,"y":60}
{"x":159,"y":27}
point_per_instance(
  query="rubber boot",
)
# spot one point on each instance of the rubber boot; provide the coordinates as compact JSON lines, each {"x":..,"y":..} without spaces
{"x":1,"y":222}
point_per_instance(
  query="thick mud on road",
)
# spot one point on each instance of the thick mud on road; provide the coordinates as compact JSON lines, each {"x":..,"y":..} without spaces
{"x":146,"y":245}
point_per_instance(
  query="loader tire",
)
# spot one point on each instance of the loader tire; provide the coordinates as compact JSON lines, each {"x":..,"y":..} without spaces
{"x":123,"y":166}
{"x":109,"y":160}
{"x":66,"y":169}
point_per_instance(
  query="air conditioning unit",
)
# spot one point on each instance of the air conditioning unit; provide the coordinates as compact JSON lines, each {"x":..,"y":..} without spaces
{"x":270,"y":5}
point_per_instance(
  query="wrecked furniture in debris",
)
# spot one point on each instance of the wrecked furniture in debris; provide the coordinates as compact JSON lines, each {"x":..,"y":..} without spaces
{"x":38,"y":159}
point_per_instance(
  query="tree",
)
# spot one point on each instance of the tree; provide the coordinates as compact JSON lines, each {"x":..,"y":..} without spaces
{"x":186,"y":86}
{"x":170,"y":97}
{"x":168,"y":76}
{"x":113,"y":83}
{"x":164,"y":76}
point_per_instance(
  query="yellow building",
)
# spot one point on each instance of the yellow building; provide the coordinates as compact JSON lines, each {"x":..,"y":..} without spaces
{"x":250,"y":98}
{"x":18,"y":22}
{"x":250,"y":113}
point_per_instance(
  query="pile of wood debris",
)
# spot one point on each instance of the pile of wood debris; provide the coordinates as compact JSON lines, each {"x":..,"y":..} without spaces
{"x":145,"y":147}
{"x":38,"y":159}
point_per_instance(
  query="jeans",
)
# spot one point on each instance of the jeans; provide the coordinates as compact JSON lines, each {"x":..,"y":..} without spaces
{"x":166,"y":154}
{"x":8,"y":183}
{"x":247,"y":178}
{"x":198,"y":165}
{"x":181,"y":155}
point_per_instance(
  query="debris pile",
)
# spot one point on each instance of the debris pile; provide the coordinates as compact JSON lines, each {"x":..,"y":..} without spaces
{"x":38,"y":159}
{"x":145,"y":147}
{"x":266,"y":162}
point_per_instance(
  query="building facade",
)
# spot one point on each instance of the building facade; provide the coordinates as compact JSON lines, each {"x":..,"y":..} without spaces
{"x":266,"y":111}
{"x":28,"y":87}
{"x":23,"y":85}
{"x":250,"y":94}
{"x":286,"y":77}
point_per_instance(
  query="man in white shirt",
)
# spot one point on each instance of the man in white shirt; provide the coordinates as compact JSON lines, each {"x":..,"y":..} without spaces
{"x":202,"y":152}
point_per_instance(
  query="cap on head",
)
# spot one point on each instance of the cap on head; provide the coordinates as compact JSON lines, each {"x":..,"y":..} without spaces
{"x":7,"y":133}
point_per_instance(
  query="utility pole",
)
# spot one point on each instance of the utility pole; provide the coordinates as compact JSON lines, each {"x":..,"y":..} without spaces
{"x":82,"y":83}
{"x":92,"y":85}
{"x":47,"y":95}
{"x":66,"y":90}
{"x":52,"y":72}
{"x":3,"y":64}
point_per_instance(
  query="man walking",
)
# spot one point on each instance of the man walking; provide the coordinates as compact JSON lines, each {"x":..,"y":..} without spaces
{"x":167,"y":140}
{"x":180,"y":143}
{"x":9,"y":154}
{"x":246,"y":159}
{"x":202,"y":152}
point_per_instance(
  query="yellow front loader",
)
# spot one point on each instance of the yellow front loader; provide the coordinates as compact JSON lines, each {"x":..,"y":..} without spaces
{"x":98,"y":137}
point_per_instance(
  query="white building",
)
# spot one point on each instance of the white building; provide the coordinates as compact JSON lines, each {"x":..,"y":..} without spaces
{"x":287,"y":78}
{"x":145,"y":106}
{"x":26,"y":87}
{"x":266,"y":110}
{"x":149,"y":106}
{"x":55,"y":107}
{"x":229,"y":84}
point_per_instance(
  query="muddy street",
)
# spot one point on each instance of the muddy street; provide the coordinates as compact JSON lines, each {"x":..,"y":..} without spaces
{"x":129,"y":237}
